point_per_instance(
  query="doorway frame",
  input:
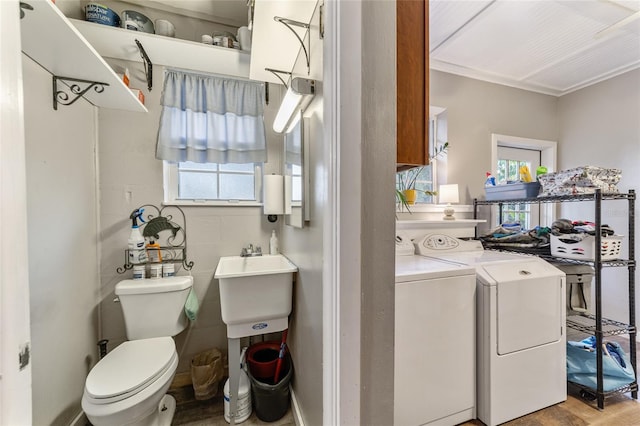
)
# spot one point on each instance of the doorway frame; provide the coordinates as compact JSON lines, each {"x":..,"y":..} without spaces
{"x":548,"y":156}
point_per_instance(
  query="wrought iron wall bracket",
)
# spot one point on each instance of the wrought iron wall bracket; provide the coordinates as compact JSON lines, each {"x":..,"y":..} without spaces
{"x":277,"y":74}
{"x":289,"y":23}
{"x":148,"y":66}
{"x":77,"y":88}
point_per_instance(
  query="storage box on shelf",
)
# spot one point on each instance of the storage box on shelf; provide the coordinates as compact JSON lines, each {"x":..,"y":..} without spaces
{"x":512,"y":191}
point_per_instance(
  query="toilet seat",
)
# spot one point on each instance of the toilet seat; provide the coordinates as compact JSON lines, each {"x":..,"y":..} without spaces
{"x":129,"y":369}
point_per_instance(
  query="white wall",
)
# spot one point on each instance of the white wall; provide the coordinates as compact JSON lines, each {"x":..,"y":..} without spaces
{"x":63,"y":259}
{"x":131,"y":176}
{"x":600,"y":126}
{"x":304,"y":246}
{"x":475,"y":110}
{"x":378,"y":220}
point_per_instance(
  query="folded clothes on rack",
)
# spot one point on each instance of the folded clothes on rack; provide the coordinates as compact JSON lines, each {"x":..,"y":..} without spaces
{"x":508,"y":237}
{"x":566,"y":226}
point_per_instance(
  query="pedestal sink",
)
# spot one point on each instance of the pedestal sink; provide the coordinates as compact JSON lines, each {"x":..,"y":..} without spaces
{"x":255,"y":298}
{"x":255,"y":293}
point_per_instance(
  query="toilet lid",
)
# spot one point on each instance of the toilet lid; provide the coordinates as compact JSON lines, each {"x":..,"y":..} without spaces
{"x":130,"y":367}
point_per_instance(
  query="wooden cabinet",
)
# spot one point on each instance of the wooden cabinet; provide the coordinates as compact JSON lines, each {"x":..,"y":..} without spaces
{"x":412,"y":53}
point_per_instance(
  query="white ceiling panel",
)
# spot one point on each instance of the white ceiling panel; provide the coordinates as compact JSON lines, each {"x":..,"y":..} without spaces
{"x":452,"y":15}
{"x":597,"y":64}
{"x":548,"y":46}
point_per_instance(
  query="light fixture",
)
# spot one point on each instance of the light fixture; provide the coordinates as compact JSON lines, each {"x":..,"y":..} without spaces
{"x":299,"y":94}
{"x":449,"y":194}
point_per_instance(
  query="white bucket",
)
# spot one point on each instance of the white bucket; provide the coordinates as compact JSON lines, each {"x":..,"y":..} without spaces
{"x":244,"y":399}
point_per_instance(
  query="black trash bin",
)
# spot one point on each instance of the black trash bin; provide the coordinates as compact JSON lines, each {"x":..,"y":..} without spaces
{"x":271,"y":401}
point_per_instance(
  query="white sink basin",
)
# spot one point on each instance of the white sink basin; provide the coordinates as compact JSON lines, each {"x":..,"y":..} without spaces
{"x":237,"y":266}
{"x":255,"y":293}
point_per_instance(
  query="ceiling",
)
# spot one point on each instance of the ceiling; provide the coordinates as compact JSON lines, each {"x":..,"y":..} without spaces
{"x":548,"y":46}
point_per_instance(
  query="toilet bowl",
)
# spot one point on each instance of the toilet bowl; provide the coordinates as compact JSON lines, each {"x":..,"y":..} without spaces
{"x":128,"y":386}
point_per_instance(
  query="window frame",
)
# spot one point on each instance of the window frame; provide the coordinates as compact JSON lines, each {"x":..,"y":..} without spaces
{"x":170,"y":188}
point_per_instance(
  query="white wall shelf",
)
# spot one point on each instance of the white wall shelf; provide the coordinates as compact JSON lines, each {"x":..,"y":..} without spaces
{"x":51,"y":41}
{"x":119,"y":43}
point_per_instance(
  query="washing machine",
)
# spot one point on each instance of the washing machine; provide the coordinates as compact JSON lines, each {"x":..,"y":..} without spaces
{"x":521,"y":336}
{"x":434,"y":367}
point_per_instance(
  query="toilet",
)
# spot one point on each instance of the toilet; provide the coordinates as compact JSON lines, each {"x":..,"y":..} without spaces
{"x":128,"y":386}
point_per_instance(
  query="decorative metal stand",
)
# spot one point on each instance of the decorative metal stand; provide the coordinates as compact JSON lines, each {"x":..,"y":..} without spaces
{"x":77,"y":88}
{"x":169,"y":230}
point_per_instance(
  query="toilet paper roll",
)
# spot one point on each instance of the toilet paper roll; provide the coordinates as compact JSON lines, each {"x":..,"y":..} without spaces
{"x":273,"y":194}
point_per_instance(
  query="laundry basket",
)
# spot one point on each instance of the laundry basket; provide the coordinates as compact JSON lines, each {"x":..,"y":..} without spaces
{"x":582,"y":246}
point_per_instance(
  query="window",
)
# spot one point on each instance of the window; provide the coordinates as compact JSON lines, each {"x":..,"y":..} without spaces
{"x":429,"y":175}
{"x":509,"y":166}
{"x":213,"y":184}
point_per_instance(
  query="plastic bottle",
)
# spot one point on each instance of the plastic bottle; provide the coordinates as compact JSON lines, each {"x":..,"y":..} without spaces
{"x":137,"y":252}
{"x":244,"y":395}
{"x":273,"y":243}
{"x":491,"y":181}
{"x":154,"y":254}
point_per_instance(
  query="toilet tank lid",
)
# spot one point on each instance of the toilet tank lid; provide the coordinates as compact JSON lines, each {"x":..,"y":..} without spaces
{"x":154,"y":285}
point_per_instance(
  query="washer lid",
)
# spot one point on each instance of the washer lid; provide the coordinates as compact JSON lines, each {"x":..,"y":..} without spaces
{"x":130,"y":367}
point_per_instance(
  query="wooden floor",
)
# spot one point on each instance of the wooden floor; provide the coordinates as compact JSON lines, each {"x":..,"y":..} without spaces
{"x":619,"y":410}
{"x":190,"y":412}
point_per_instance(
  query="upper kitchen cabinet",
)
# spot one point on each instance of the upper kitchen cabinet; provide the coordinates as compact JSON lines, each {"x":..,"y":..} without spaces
{"x":412,"y":50}
{"x":78,"y":70}
{"x":274,"y":45}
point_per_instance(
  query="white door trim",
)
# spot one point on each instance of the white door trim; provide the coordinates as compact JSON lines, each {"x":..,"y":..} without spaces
{"x":341,"y":245}
{"x":15,"y":381}
{"x":548,"y":158}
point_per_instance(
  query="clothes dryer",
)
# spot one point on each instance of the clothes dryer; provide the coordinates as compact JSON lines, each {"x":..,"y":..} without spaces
{"x":521,"y":338}
{"x":434,"y":368}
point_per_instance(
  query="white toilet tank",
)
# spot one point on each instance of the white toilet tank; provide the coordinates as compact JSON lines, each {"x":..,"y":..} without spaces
{"x":154,"y":307}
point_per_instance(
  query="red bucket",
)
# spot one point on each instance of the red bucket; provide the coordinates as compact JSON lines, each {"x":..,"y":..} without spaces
{"x":262,"y":358}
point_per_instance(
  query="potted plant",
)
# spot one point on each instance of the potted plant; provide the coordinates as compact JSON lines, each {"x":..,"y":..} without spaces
{"x":406,"y":192}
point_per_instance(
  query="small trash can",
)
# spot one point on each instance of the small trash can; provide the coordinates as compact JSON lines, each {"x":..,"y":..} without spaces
{"x":271,"y":401}
{"x":206,"y":373}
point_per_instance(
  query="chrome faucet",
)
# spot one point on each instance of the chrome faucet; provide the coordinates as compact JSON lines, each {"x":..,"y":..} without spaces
{"x":250,"y":251}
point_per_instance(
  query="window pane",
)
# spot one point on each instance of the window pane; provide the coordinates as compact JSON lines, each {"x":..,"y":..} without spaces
{"x":197,"y":186}
{"x":190,"y":165}
{"x":237,"y":187}
{"x":231,"y":167}
{"x":502,"y":171}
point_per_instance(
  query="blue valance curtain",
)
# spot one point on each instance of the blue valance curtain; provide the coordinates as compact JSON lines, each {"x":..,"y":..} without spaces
{"x":210,"y":119}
